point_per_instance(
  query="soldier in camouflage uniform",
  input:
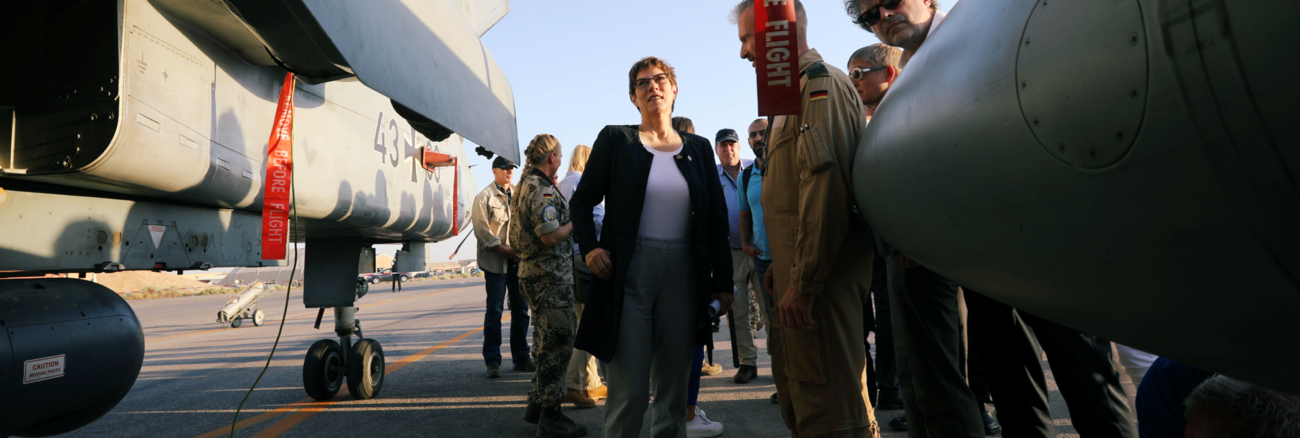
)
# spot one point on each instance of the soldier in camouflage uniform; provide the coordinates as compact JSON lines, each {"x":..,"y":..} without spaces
{"x":540,"y":234}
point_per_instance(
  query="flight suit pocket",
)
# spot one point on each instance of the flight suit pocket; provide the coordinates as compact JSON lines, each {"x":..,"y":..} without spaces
{"x":813,"y":154}
{"x":803,"y":355}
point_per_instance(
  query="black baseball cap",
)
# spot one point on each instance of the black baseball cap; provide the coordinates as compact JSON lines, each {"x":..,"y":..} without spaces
{"x":725,"y":135}
{"x":502,"y":163}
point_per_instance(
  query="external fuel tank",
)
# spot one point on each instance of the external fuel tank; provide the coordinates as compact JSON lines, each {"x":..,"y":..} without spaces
{"x":1122,"y":167}
{"x":71,"y":351}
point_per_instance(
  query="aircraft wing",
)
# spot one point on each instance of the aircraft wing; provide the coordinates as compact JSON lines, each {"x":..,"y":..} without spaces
{"x":424,"y":54}
{"x":483,"y":14}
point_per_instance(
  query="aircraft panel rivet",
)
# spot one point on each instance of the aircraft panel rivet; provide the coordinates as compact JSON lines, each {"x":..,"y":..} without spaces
{"x":1023,"y":84}
{"x":1062,"y":147}
{"x":1092,"y":153}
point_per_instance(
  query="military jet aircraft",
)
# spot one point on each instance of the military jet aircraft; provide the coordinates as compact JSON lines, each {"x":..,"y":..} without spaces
{"x":137,"y":135}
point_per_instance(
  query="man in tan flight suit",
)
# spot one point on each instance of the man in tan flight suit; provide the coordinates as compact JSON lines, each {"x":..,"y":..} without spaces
{"x":821,"y":250}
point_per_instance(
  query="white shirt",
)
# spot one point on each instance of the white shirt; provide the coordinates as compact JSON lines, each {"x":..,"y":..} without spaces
{"x":568,"y":185}
{"x":666,"y":212}
{"x":934,"y":22}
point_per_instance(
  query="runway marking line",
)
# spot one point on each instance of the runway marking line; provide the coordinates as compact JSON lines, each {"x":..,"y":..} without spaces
{"x":303,"y":409}
{"x":309,"y":315}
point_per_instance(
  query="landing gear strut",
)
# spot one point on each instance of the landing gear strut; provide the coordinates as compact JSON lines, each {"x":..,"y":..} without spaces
{"x":328,"y":362}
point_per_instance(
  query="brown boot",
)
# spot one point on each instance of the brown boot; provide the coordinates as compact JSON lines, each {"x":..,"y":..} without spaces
{"x":579,"y":399}
{"x":598,"y":393}
{"x":554,"y":424}
{"x":532,"y":413}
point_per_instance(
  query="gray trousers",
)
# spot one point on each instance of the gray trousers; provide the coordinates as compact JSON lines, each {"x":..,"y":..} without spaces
{"x":927,"y":339}
{"x":656,"y":336}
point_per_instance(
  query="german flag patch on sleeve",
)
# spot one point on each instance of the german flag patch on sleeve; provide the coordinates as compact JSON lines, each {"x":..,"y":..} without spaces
{"x":548,"y":195}
{"x":818,"y":95}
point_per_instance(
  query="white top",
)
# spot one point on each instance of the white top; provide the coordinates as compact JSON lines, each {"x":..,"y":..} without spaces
{"x":934,"y":22}
{"x":666,"y":213}
{"x":568,"y":185}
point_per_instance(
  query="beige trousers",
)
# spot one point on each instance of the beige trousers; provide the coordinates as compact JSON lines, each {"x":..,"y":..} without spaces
{"x":746,"y":290}
{"x":583,"y":373}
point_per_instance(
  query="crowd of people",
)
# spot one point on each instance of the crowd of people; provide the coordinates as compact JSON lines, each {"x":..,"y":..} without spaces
{"x":654,"y":232}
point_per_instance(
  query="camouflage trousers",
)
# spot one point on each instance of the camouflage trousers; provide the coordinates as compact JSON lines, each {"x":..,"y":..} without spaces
{"x":553,"y":332}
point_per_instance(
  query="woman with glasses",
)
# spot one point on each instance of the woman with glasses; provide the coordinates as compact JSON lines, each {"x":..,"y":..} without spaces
{"x":662,"y":256}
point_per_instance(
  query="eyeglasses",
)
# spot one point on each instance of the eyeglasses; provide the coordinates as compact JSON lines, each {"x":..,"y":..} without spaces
{"x":871,"y":16}
{"x":858,"y":72}
{"x":660,"y":79}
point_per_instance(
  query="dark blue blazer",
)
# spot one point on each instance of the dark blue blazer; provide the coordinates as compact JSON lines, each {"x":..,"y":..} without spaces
{"x":617,"y":172}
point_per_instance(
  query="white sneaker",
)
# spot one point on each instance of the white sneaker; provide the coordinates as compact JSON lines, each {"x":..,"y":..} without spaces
{"x":701,"y":427}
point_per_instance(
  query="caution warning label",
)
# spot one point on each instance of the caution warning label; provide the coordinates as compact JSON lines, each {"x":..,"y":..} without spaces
{"x":45,"y":368}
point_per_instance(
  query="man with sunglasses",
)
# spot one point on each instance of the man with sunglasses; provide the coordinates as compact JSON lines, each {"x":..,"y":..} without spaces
{"x":821,"y":251}
{"x":924,"y":305}
{"x":1010,"y":343}
{"x":899,"y":23}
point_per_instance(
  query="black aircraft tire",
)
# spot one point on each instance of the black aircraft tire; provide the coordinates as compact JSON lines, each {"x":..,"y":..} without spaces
{"x":366,"y":369}
{"x":319,"y":377}
{"x":237,"y":322}
{"x":259,"y":317}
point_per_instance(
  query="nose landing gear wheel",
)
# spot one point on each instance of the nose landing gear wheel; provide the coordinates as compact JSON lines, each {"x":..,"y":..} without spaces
{"x":366,"y":369}
{"x":322,"y":370}
{"x":237,"y":322}
{"x":259,"y":317}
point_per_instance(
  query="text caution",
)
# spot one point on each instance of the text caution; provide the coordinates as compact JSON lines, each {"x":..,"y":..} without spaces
{"x":45,"y":368}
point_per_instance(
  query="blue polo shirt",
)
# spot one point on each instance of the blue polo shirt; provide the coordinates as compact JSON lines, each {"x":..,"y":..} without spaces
{"x":751,"y":201}
{"x":729,"y":189}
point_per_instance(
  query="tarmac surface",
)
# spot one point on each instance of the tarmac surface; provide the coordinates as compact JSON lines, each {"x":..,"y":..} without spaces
{"x":196,"y":373}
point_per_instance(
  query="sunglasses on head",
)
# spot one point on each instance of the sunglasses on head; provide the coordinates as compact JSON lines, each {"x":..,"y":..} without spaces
{"x":871,"y":16}
{"x":858,"y":72}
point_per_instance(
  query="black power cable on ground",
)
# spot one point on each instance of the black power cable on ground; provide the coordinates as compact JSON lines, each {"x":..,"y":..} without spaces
{"x":293,"y":208}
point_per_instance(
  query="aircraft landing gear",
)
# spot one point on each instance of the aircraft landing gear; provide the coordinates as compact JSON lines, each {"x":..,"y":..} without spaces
{"x":328,"y":362}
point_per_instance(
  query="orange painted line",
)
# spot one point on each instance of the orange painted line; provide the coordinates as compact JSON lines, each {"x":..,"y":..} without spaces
{"x":310,"y":402}
{"x":279,"y":428}
{"x":308,"y":315}
{"x":417,"y":356}
{"x":301,"y":415}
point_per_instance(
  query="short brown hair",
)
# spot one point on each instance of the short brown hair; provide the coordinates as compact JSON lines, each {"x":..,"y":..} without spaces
{"x":683,"y":124}
{"x":646,"y":63}
{"x":878,"y":55}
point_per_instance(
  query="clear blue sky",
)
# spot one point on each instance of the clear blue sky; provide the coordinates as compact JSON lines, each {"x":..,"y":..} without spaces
{"x":568,"y":68}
